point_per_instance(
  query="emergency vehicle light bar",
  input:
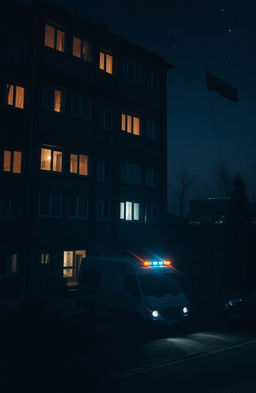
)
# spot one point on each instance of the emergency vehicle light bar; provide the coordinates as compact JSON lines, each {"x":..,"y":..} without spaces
{"x":157,"y":263}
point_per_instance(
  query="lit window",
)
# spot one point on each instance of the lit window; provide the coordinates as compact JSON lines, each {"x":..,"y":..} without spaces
{"x":54,"y":38}
{"x":51,"y":160}
{"x":45,"y":259}
{"x":71,"y":265}
{"x":81,"y":49}
{"x":106,"y":62}
{"x":129,"y":211}
{"x":53,"y":99}
{"x":50,"y":205}
{"x":57,"y":100}
{"x":15,"y":96}
{"x":79,"y":164}
{"x":12,"y":161}
{"x":130,"y":124}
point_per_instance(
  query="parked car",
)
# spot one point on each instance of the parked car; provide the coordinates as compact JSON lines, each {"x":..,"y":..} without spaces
{"x":243,"y":308}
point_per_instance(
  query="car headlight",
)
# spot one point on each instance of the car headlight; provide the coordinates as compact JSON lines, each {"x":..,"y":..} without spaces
{"x":185,"y":310}
{"x":155,"y":314}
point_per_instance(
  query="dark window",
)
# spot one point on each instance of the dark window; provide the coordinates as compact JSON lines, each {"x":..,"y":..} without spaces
{"x":131,"y":285}
{"x":91,"y":278}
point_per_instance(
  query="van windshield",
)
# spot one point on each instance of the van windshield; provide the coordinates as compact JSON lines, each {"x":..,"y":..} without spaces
{"x":159,"y":284}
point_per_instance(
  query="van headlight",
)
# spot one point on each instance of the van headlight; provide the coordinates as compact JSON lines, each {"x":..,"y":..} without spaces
{"x":185,"y":310}
{"x":155,"y":314}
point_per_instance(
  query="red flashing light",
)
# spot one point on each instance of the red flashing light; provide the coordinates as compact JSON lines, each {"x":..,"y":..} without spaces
{"x":167,"y":262}
{"x":146,"y":263}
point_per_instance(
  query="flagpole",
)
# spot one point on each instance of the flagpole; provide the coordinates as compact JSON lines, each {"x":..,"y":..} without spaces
{"x":215,"y":130}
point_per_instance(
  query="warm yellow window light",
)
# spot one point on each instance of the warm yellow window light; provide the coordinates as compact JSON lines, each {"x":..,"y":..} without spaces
{"x":83,"y":164}
{"x":136,"y":125}
{"x":73,"y":163}
{"x":102,"y":60}
{"x":17,"y":161}
{"x":109,"y":64}
{"x":57,"y":100}
{"x":10,"y":94}
{"x":129,"y":123}
{"x":49,"y":36}
{"x":60,"y":41}
{"x":7,"y":161}
{"x":76,"y":47}
{"x":46,"y":159}
{"x":123,"y":122}
{"x":57,"y":161}
{"x":19,"y":97}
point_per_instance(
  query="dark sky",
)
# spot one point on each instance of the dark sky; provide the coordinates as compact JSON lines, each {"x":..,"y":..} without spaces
{"x":187,"y":33}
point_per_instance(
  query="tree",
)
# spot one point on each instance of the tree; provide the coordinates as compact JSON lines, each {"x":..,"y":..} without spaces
{"x":223,"y":179}
{"x":184,"y":183}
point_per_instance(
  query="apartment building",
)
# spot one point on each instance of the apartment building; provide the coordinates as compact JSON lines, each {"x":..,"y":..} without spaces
{"x":83,"y":146}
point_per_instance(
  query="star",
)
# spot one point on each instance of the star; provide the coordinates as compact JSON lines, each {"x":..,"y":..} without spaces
{"x":229,"y":30}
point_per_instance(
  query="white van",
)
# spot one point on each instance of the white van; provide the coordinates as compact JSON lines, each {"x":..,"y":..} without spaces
{"x":132,"y":288}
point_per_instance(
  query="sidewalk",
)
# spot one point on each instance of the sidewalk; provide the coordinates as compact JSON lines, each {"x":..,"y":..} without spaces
{"x":246,"y":385}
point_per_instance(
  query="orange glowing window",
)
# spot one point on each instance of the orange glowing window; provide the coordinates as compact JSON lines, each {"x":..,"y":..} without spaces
{"x":83,"y":164}
{"x":46,"y":158}
{"x":12,"y":161}
{"x":15,"y":96}
{"x":49,"y":34}
{"x":73,"y":163}
{"x":79,"y":164}
{"x":51,"y":160}
{"x":54,"y":38}
{"x":7,"y":161}
{"x":76,"y":47}
{"x":130,"y":124}
{"x":106,"y":62}
{"x":81,"y":49}
{"x":57,"y":100}
{"x":57,"y":161}
{"x":17,"y":161}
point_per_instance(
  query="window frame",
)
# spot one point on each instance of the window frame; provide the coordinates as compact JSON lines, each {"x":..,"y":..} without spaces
{"x":102,"y":167}
{"x":55,"y":37}
{"x":77,"y":173}
{"x":51,"y":196}
{"x":13,"y":105}
{"x":12,"y":153}
{"x":78,"y":198}
{"x":51,"y":159}
{"x":126,"y":116}
{"x":100,"y":210}
{"x":105,"y":54}
{"x":124,"y":219}
{"x":82,"y":42}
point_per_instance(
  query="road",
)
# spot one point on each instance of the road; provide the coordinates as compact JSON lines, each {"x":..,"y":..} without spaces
{"x":210,"y":357}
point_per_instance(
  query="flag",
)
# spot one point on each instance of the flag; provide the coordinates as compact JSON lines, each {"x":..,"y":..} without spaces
{"x":221,"y":86}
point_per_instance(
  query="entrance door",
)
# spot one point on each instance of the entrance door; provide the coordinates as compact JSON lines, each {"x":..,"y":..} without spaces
{"x":71,"y":265}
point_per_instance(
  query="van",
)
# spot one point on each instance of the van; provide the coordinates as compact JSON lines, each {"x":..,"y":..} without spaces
{"x":132,"y":288}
